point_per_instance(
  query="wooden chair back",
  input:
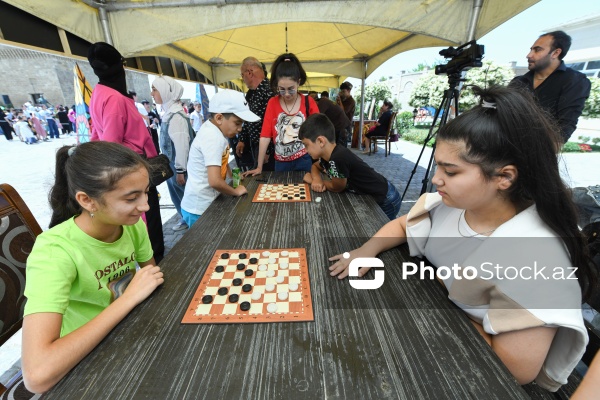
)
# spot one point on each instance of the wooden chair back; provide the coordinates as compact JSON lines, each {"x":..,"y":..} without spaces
{"x":386,"y":138}
{"x":18,"y":231}
{"x":389,"y":129}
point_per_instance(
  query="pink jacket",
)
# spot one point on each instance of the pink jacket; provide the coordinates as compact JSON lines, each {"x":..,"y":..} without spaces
{"x":115,"y":118}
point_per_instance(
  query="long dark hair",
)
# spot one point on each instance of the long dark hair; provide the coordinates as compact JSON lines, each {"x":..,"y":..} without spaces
{"x":287,"y":65}
{"x":509,"y":128}
{"x":93,"y":168}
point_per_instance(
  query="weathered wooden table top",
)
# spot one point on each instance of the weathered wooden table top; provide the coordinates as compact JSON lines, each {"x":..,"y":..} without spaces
{"x":405,"y":340}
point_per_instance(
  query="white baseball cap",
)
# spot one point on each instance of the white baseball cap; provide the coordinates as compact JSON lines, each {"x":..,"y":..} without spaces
{"x":231,"y":101}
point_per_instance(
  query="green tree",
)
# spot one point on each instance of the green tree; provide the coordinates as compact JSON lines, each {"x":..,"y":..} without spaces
{"x":592,"y":104}
{"x":378,"y":91}
{"x":422,"y":66}
{"x":490,"y":74}
{"x":429,"y":89}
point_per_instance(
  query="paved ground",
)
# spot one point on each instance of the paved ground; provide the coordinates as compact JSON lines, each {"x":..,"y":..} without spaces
{"x":30,"y":170}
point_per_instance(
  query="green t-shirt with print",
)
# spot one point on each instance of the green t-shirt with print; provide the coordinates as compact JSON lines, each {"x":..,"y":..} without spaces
{"x":71,"y":273}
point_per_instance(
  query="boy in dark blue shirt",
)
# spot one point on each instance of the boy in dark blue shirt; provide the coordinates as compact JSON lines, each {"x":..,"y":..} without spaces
{"x":344,"y":168}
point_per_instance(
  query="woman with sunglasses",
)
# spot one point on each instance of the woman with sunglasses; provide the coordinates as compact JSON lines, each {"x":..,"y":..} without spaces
{"x":284,"y":115}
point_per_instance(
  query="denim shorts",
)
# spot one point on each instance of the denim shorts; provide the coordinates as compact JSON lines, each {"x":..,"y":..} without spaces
{"x":391,"y":204}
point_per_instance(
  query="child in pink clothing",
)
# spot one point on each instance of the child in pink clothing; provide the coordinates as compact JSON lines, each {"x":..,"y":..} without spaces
{"x":39,"y":129}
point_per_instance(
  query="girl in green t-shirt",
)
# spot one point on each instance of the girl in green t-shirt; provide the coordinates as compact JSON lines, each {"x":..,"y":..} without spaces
{"x":81,"y":274}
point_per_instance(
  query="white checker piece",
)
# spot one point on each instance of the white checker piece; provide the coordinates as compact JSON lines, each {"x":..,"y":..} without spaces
{"x":259,"y":298}
{"x":256,"y":295}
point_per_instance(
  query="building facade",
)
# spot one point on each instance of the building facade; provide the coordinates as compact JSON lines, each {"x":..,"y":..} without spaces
{"x":35,"y":76}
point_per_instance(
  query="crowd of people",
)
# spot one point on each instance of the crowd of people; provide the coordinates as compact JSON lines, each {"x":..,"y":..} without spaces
{"x":497,"y":177}
{"x":34,"y":124}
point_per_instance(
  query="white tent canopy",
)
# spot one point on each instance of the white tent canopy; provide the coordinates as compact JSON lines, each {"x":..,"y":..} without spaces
{"x":339,"y":38}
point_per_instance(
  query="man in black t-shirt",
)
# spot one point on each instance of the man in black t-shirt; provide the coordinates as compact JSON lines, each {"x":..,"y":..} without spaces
{"x":344,"y":168}
{"x":337,"y":116}
{"x":559,"y":90}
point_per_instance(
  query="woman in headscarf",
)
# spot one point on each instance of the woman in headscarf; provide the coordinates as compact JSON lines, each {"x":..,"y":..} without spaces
{"x":115,"y":118}
{"x":176,"y":136}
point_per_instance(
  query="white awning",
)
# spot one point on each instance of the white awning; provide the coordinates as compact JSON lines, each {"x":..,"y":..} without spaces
{"x":334,"y":37}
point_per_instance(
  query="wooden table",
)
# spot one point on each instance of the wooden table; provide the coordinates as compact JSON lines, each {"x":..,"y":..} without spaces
{"x":402,"y":341}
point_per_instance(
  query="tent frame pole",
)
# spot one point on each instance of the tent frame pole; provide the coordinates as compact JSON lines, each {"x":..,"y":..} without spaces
{"x":362,"y":102}
{"x":477,"y":5}
{"x":214,"y":78}
{"x":103,"y":17}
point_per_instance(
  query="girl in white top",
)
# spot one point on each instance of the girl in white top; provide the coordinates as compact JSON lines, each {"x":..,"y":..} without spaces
{"x":500,"y":200}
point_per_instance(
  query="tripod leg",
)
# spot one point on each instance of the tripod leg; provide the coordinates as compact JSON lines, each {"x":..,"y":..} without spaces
{"x":450,"y":98}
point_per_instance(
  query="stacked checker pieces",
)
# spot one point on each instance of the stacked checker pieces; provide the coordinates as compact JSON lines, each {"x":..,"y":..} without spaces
{"x":281,"y":193}
{"x":241,"y":286}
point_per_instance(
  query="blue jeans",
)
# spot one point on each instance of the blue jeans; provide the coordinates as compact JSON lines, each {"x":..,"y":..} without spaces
{"x":303,"y":163}
{"x":189,"y":218}
{"x":176,"y":190}
{"x":391,"y":204}
{"x":52,"y":128}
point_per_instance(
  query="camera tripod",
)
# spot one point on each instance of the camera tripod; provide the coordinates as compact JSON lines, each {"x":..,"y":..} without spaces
{"x":450,"y":100}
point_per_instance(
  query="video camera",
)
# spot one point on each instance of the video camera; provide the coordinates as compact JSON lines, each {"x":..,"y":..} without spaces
{"x":465,"y":57}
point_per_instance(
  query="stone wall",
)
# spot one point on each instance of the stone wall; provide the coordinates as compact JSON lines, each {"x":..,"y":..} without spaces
{"x":25,"y":72}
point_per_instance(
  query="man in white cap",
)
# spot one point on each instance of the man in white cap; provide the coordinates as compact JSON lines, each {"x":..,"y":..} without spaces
{"x":209,"y":154}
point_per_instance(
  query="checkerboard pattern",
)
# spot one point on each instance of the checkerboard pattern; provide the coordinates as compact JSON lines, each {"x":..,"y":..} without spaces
{"x":282,"y":193}
{"x":276,"y":271}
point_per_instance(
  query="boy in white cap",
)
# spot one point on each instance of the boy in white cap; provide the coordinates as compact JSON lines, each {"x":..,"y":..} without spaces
{"x":207,"y":166}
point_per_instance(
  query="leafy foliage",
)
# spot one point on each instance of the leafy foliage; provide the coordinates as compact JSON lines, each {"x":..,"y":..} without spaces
{"x":490,"y":74}
{"x":378,"y":91}
{"x":429,"y":90}
{"x":404,"y":122}
{"x":571,"y":147}
{"x":418,"y":136}
{"x":424,"y":65}
{"x":591,"y":109}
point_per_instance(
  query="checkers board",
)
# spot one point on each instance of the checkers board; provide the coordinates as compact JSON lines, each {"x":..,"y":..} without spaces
{"x":281,"y":193}
{"x":277,"y":289}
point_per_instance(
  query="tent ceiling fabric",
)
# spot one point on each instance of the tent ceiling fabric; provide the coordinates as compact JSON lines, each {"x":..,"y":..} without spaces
{"x":328,"y":36}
